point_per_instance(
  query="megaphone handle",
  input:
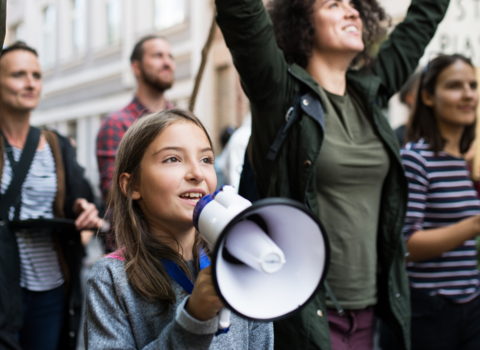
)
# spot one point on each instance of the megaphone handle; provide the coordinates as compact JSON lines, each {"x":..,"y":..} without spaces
{"x":224,"y":318}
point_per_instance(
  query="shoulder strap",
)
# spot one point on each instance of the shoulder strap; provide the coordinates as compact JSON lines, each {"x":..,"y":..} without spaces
{"x":247,"y":186}
{"x":290,"y":117}
{"x":55,"y":143}
{"x":11,"y":158}
{"x":21,"y":170}
{"x":13,"y":165}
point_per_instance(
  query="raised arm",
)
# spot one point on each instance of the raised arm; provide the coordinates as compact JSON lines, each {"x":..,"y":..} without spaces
{"x":399,"y":55}
{"x":249,"y":35}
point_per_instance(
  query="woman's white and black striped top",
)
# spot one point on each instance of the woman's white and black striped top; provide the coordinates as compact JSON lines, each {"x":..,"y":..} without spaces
{"x":441,"y":194}
{"x":40,"y":268}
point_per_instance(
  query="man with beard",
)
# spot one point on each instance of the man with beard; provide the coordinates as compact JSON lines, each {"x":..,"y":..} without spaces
{"x":154,"y":68}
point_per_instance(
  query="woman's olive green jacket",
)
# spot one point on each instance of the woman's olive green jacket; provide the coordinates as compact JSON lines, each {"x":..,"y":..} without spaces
{"x":271,"y":84}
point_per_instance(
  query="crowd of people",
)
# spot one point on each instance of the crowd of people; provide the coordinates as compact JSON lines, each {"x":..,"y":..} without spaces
{"x":400,"y":208}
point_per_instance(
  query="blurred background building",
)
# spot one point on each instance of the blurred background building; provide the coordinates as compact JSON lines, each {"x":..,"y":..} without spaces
{"x":84,"y":48}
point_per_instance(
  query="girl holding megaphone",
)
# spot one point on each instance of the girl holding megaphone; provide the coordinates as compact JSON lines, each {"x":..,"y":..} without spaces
{"x":137,"y":297}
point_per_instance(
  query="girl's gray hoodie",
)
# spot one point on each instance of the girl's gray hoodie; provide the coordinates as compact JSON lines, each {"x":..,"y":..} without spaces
{"x":118,"y":317}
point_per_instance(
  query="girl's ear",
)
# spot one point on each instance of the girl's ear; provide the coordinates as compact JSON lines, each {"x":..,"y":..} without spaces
{"x":427,"y":99}
{"x":124,"y":179}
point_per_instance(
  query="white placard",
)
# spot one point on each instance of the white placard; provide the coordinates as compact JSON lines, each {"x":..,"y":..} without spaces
{"x":459,"y":32}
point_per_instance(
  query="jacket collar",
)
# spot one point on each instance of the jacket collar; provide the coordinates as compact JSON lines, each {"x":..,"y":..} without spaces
{"x":302,"y":75}
{"x":366,"y":87}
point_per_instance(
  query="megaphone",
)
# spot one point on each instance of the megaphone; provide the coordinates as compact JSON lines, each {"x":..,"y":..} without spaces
{"x":268,"y":259}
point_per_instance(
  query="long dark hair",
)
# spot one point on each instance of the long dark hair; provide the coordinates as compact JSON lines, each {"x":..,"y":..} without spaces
{"x":423,"y":123}
{"x":295,"y":31}
{"x":140,"y":249}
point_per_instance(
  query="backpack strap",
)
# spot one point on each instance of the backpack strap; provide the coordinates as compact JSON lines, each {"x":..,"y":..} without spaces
{"x":55,"y":144}
{"x":13,"y":165}
{"x":290,"y":118}
{"x":329,"y":290}
{"x":247,"y":186}
{"x":19,"y":170}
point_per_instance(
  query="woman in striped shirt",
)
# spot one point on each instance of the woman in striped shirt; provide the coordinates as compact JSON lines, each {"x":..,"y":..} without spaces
{"x":443,"y":209}
{"x":40,"y":304}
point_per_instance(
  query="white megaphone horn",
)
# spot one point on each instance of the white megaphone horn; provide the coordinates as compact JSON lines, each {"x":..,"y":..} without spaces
{"x":268,"y":259}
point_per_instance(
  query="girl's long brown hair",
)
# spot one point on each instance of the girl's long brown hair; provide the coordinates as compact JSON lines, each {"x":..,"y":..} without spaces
{"x":141,"y":249}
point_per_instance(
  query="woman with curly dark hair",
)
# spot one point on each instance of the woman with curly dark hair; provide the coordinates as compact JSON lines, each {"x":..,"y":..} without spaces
{"x":292,"y":18}
{"x":319,"y":137}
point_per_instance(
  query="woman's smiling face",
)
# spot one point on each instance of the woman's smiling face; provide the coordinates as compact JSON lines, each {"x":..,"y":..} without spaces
{"x":338,"y":27}
{"x":176,"y":171}
{"x":456,"y":96}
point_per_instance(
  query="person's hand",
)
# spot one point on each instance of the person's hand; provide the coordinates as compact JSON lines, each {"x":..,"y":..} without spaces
{"x":204,"y":303}
{"x":87,"y":215}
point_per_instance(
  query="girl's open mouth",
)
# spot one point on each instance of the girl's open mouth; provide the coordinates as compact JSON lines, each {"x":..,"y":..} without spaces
{"x":193,"y":197}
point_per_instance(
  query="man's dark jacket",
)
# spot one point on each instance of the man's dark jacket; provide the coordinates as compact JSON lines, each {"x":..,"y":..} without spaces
{"x":70,"y":187}
{"x":271,"y":84}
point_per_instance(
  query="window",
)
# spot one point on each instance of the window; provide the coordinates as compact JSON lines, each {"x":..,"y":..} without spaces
{"x":168,"y":13}
{"x":114,"y":17}
{"x":48,"y":56}
{"x":78,"y":29}
{"x":15,"y":33}
{"x":19,"y":32}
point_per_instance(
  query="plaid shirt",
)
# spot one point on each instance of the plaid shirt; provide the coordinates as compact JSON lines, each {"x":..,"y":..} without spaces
{"x":111,"y":132}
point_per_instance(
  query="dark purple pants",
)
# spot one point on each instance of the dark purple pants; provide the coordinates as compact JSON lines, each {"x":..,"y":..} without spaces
{"x":353,"y":331}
